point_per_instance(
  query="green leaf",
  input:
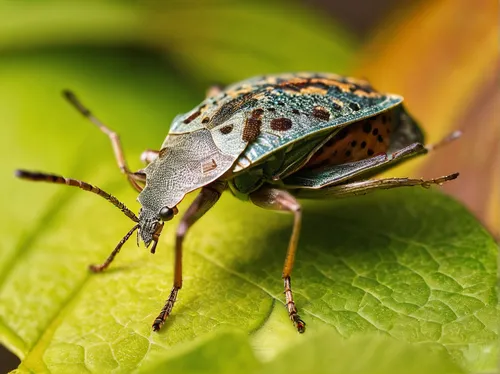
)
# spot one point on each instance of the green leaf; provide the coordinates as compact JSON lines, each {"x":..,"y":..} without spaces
{"x":219,"y":353}
{"x":413,"y":265}
{"x":321,"y":353}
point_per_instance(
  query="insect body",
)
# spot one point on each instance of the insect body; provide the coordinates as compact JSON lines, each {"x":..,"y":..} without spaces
{"x":269,"y":140}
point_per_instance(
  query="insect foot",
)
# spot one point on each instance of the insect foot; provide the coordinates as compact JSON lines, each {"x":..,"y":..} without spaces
{"x":292,"y":309}
{"x":96,"y":268}
{"x":111,"y":257}
{"x":167,"y":309}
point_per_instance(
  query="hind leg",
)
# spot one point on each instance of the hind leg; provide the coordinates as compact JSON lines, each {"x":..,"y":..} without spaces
{"x":280,"y":200}
{"x":364,"y":187}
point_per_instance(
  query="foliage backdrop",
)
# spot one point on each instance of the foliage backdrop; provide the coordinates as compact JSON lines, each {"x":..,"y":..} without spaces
{"x":408,"y":265}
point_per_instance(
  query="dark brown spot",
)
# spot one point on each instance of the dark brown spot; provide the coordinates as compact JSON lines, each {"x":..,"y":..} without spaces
{"x":271,"y":109}
{"x":257,"y":112}
{"x":281,"y":103}
{"x":330,"y":142}
{"x":192,"y":117}
{"x":367,"y":87}
{"x":321,"y":113}
{"x":384,"y":120}
{"x":205,"y":120}
{"x":226,"y":129}
{"x":292,"y":86}
{"x":370,"y":152}
{"x":336,"y":106}
{"x":363,"y":144}
{"x":281,"y":124}
{"x":252,"y":129}
{"x":380,"y":139}
{"x":353,"y":143}
{"x":337,"y":89}
{"x":228,"y":109}
{"x":334,"y":153}
{"x":367,"y":127}
{"x":354,"y":106}
{"x":342,"y":133}
{"x":347,"y":153}
{"x":375,"y":131}
{"x":295,"y":111}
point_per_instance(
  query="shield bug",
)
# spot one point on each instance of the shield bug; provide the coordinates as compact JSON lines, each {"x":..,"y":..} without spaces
{"x":269,"y":140}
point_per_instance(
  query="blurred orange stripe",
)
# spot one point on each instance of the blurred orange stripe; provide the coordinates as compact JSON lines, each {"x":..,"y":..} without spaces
{"x":442,"y":57}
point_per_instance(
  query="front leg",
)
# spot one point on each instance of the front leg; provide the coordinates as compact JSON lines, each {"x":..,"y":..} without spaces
{"x":114,"y":138}
{"x":208,"y":196}
{"x":275,"y":199}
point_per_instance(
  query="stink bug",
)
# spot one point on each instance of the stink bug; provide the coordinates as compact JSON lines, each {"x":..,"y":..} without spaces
{"x":269,"y":140}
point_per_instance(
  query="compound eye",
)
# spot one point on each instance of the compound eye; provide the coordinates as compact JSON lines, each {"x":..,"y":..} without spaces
{"x":166,"y":214}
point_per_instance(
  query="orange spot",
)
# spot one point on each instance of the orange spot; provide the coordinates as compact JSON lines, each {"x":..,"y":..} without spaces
{"x":313,"y":90}
{"x":366,"y":93}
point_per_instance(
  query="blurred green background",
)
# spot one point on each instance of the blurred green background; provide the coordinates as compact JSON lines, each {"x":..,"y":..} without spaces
{"x":441,"y":55}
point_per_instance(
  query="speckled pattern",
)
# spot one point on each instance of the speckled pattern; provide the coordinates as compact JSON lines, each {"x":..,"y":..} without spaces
{"x":355,"y":142}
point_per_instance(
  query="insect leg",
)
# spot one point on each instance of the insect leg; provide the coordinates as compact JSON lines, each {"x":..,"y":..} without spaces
{"x":111,"y":257}
{"x":203,"y":202}
{"x":113,"y":137}
{"x":138,"y":179}
{"x":363,"y":187}
{"x":275,"y":199}
{"x":57,"y":179}
{"x":447,"y":139}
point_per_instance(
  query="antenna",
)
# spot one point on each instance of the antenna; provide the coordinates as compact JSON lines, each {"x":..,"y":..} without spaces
{"x":52,"y":178}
